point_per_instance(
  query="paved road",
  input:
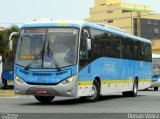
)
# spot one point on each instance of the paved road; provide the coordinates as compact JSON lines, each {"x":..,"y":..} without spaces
{"x":146,"y":101}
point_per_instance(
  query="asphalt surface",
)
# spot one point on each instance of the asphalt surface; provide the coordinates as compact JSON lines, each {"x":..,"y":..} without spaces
{"x":145,"y":102}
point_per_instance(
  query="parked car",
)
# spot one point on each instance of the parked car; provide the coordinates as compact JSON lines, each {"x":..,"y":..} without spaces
{"x":156,"y":82}
{"x":156,"y":72}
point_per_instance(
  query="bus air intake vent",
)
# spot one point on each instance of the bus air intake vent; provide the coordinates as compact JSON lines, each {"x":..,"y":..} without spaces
{"x":24,"y":72}
{"x":42,"y":74}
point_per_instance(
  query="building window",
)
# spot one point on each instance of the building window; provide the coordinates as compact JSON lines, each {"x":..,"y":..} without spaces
{"x":155,"y":22}
{"x":103,"y":4}
{"x":150,"y":30}
{"x":149,"y":22}
{"x":110,"y":21}
{"x":155,"y":31}
{"x":109,"y":11}
{"x":125,"y":11}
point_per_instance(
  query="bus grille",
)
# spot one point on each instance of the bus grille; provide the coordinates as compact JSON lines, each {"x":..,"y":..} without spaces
{"x":24,"y":72}
{"x":42,"y":74}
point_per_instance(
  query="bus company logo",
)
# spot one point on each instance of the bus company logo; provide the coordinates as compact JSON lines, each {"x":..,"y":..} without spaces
{"x":9,"y":116}
{"x":109,"y":67}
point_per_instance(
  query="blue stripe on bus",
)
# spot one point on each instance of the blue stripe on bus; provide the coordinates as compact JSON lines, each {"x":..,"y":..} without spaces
{"x":115,"y":69}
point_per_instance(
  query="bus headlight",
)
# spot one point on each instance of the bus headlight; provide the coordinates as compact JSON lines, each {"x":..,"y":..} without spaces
{"x":69,"y":80}
{"x":18,"y":79}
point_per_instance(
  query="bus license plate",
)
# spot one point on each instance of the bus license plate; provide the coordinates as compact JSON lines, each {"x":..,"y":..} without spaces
{"x":41,"y":91}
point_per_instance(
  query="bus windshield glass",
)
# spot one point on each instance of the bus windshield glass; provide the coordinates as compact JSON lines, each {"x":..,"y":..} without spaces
{"x":156,"y":66}
{"x":47,"y":47}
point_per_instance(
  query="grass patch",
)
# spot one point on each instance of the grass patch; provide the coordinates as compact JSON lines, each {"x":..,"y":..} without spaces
{"x":7,"y":93}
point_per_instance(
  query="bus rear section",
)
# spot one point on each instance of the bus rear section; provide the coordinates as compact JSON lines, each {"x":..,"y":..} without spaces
{"x":117,"y":61}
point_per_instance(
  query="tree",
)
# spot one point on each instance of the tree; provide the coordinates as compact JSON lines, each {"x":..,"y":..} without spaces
{"x":4,"y":39}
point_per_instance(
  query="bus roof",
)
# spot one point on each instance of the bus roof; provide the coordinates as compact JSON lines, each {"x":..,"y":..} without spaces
{"x":79,"y":24}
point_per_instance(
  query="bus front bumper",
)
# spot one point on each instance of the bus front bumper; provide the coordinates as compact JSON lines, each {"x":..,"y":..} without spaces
{"x":61,"y":89}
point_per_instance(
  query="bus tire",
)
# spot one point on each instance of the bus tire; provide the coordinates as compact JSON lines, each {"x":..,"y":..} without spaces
{"x":95,"y":93}
{"x":134,"y":91}
{"x":155,"y":88}
{"x":44,"y":99}
{"x":4,"y":84}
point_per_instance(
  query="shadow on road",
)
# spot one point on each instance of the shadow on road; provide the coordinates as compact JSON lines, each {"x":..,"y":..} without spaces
{"x":77,"y":101}
{"x":149,"y":89}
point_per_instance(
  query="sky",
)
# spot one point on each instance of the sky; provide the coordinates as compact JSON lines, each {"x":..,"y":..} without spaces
{"x":21,"y":11}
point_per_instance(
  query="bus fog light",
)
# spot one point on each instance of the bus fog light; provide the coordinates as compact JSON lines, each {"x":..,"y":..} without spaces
{"x":70,"y":92}
{"x":69,"y":80}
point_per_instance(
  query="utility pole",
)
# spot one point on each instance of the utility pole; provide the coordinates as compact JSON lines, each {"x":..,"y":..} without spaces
{"x":132,"y":24}
{"x":139,"y":23}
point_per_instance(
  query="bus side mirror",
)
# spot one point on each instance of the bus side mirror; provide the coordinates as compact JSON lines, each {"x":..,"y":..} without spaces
{"x":88,"y":42}
{"x":11,"y":41}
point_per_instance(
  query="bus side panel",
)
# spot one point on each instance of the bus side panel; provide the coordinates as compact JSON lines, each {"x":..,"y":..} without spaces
{"x":85,"y":81}
{"x":116,"y":75}
{"x":145,"y":82}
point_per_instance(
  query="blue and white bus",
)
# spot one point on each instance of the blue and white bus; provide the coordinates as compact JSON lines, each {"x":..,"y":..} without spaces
{"x":7,"y":74}
{"x":1,"y":68}
{"x":80,"y":59}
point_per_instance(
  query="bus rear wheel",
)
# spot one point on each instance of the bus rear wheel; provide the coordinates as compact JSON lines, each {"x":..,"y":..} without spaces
{"x":134,"y":91}
{"x":44,"y":99}
{"x":95,"y":93}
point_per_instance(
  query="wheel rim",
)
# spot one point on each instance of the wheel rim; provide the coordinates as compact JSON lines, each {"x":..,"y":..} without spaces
{"x":94,"y":91}
{"x":135,"y":88}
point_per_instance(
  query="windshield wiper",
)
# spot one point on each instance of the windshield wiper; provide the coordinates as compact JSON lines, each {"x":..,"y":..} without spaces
{"x":33,"y":61}
{"x":42,"y":54}
{"x":54,"y":60}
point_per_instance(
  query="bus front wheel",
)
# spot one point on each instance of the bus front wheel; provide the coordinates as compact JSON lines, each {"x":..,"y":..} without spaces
{"x":95,"y":93}
{"x":4,"y":84}
{"x":44,"y":99}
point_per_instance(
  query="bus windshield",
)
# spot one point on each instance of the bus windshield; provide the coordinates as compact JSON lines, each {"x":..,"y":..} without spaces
{"x":156,"y":66}
{"x":47,"y":47}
